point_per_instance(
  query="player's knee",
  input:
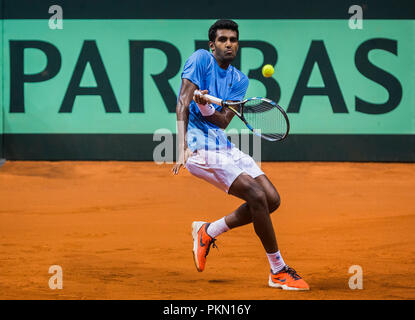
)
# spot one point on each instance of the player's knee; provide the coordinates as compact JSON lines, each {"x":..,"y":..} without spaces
{"x":274,"y":203}
{"x":257,"y":197}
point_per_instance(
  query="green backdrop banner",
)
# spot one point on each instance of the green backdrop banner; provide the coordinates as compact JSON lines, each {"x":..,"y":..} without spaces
{"x":322,"y":75}
{"x":123,"y":76}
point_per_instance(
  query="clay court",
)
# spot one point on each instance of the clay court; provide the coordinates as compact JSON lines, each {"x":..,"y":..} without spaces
{"x":121,"y":230}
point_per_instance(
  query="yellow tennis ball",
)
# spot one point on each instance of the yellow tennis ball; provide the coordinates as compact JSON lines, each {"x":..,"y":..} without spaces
{"x":267,"y":70}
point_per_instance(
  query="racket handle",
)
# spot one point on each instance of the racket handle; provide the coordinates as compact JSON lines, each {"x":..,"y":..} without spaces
{"x":211,"y":99}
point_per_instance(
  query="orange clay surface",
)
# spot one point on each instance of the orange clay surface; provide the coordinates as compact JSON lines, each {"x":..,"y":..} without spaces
{"x":121,"y":230}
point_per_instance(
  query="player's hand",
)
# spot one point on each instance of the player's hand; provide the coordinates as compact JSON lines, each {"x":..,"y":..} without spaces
{"x":198,"y":98}
{"x":184,"y":155}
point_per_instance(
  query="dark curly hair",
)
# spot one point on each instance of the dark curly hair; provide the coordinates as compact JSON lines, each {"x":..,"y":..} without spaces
{"x":222,"y":24}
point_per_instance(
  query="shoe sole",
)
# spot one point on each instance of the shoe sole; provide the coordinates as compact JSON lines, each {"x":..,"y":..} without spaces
{"x":196,"y":225}
{"x":284,"y":286}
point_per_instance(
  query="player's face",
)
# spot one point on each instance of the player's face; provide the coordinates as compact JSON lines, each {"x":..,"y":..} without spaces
{"x":225,"y":46}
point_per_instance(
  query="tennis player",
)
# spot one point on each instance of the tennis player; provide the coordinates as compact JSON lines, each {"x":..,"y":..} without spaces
{"x":207,"y":153}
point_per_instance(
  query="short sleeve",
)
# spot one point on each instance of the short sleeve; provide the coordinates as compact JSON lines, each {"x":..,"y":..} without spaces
{"x":195,"y":67}
{"x":239,"y":89}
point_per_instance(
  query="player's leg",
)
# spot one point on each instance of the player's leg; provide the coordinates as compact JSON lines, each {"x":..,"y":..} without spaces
{"x":256,"y":209}
{"x":247,"y":188}
{"x":251,"y":190}
{"x":254,"y":192}
{"x":215,"y":168}
{"x":242,"y":216}
{"x":260,"y":196}
{"x":238,"y":164}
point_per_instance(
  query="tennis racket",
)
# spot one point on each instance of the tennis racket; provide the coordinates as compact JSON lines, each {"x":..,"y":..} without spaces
{"x":262,"y":116}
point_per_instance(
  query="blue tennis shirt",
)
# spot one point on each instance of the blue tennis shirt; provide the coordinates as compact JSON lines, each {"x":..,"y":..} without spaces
{"x":202,"y":69}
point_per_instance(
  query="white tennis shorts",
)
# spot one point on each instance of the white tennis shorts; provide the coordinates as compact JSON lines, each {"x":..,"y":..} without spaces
{"x":221,"y":167}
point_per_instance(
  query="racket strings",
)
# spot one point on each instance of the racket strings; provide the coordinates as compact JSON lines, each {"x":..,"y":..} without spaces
{"x":265,"y":118}
{"x":262,"y":107}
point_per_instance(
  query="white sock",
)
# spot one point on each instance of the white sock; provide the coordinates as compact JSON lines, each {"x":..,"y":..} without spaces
{"x":276,"y":261}
{"x":218,"y":227}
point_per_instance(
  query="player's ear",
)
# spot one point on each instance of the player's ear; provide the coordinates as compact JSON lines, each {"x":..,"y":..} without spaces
{"x":212,"y":46}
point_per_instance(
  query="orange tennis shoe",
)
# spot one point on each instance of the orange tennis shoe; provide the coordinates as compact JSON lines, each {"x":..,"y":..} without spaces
{"x":201,"y":243}
{"x":287,"y":279}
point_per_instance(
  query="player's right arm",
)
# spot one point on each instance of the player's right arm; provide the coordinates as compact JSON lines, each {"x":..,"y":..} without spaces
{"x":182,"y":111}
{"x":223,"y":117}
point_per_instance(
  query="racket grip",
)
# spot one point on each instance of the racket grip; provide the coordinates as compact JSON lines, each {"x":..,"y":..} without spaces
{"x":211,"y":99}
